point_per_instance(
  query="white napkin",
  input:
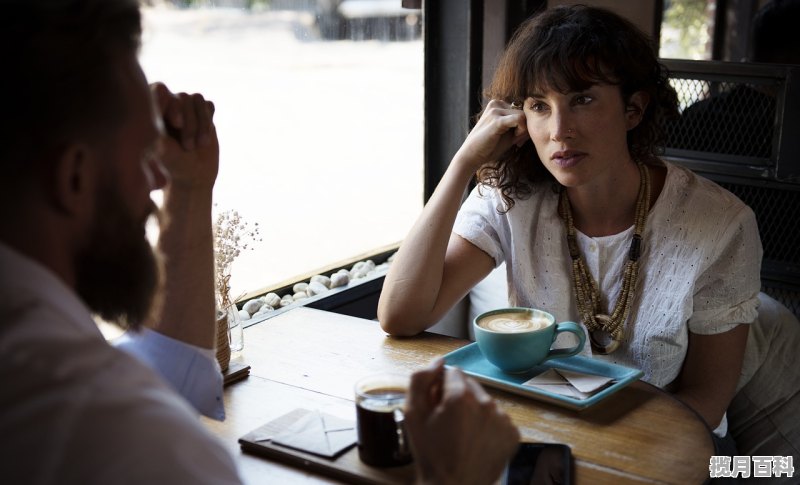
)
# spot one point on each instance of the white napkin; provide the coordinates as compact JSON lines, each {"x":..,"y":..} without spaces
{"x":568,"y":383}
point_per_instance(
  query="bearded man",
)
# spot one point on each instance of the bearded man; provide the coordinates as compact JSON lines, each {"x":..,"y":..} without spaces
{"x":83,"y":141}
{"x":83,"y":145}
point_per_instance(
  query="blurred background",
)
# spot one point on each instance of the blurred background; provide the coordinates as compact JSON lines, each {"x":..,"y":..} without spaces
{"x":319,"y":109}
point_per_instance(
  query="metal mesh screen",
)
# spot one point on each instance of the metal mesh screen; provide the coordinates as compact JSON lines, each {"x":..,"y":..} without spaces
{"x":729,"y":130}
{"x":729,"y":118}
{"x":777,"y":212}
{"x":790,"y":298}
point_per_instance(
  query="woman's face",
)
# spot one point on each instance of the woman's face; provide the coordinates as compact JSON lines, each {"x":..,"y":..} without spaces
{"x":581,"y":136}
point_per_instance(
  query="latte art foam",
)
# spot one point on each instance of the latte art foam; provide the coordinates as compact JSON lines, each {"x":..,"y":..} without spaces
{"x":513,"y":322}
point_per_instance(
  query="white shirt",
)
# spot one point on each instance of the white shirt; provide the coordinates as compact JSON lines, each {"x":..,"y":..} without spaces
{"x":193,"y":372}
{"x":74,"y":409}
{"x":699,"y":269}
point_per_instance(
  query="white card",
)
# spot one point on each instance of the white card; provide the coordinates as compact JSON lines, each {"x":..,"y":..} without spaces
{"x":566,"y":383}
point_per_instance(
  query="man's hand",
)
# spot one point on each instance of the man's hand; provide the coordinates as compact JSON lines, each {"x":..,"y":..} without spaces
{"x":190,"y":152}
{"x":457,"y":433}
{"x":190,"y":149}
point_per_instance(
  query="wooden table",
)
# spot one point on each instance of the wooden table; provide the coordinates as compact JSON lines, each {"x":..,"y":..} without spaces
{"x":310,"y":359}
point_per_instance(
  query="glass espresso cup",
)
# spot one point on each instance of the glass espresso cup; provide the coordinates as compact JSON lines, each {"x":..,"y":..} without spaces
{"x":380,"y":400}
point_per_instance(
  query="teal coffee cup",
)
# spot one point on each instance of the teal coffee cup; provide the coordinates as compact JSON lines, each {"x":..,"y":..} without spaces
{"x":518,"y":339}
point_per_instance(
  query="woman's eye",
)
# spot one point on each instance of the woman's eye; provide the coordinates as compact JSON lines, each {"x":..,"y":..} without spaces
{"x":538,"y":107}
{"x":583,"y":99}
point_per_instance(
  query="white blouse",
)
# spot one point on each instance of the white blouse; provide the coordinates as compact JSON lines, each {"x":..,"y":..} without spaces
{"x":699,"y":269}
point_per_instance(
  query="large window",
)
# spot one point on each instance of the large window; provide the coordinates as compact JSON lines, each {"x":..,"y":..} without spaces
{"x":320,"y":120}
{"x":687,"y":29}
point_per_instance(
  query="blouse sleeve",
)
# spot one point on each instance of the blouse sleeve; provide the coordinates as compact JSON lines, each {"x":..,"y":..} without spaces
{"x":191,"y":371}
{"x":476,"y":222}
{"x":726,"y":292}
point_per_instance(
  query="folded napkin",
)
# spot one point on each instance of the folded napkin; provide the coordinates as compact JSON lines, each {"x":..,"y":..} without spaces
{"x":314,"y":432}
{"x":568,"y":383}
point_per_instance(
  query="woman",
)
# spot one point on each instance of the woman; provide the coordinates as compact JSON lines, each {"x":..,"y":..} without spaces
{"x":661,"y":266}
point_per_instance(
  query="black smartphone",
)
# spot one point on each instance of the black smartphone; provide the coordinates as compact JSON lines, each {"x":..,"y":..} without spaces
{"x":539,"y":464}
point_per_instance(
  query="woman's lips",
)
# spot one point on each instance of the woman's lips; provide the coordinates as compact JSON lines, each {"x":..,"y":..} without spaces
{"x":568,"y":158}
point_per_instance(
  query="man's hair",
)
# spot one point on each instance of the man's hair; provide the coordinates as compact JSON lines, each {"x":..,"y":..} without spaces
{"x":60,"y":78}
{"x":570,"y":48}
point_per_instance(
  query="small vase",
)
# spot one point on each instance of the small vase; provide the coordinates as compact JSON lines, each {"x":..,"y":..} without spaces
{"x":223,"y":341}
{"x":235,"y":329}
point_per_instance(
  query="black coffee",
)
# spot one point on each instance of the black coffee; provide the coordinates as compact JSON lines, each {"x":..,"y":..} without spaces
{"x":379,"y":442}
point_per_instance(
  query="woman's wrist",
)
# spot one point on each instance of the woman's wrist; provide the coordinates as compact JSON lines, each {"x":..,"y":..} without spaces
{"x":464,"y":165}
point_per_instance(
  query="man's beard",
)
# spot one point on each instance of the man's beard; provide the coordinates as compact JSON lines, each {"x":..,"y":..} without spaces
{"x":118,"y":274}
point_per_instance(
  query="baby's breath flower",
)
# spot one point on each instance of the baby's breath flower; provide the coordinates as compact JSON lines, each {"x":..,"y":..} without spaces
{"x":232,"y":235}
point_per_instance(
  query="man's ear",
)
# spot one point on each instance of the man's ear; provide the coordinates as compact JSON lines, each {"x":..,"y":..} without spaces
{"x":74,"y":179}
{"x":635,"y":108}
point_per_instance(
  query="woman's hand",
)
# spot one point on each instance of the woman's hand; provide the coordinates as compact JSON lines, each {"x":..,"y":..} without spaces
{"x":499,"y":128}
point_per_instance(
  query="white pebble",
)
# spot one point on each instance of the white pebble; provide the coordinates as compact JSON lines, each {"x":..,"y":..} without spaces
{"x":316,"y":288}
{"x":252,"y":306}
{"x":272,"y":299}
{"x":340,"y":279}
{"x":243,"y":315}
{"x":300,"y":295}
{"x":287,"y":301}
{"x":264,"y":309}
{"x":298,"y":287}
{"x":321,"y":279}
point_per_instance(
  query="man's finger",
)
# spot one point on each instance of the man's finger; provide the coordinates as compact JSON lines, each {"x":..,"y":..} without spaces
{"x":476,"y":389}
{"x":203,"y":119}
{"x":425,"y":384}
{"x":168,"y":105}
{"x":455,"y":384}
{"x":190,"y":122}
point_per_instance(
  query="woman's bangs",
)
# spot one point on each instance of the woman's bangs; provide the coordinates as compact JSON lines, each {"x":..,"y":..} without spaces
{"x":565,"y":75}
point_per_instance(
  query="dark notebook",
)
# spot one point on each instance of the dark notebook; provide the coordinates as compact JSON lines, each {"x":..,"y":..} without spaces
{"x":320,"y":443}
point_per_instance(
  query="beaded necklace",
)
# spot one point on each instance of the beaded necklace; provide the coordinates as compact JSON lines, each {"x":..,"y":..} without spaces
{"x":605,"y":331}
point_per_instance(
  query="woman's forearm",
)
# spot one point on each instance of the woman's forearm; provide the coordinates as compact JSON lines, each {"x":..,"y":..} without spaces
{"x":409,"y":302}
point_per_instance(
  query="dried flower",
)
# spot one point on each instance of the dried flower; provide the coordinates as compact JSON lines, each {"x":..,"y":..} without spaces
{"x":232,"y":235}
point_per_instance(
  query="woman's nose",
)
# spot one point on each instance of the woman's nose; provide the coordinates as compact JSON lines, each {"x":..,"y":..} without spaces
{"x":561,"y":128}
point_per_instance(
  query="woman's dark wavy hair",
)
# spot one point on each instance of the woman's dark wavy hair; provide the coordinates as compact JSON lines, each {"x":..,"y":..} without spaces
{"x":570,"y":48}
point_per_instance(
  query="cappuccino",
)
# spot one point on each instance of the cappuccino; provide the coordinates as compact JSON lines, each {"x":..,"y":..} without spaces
{"x":514,"y":322}
{"x":517,"y":339}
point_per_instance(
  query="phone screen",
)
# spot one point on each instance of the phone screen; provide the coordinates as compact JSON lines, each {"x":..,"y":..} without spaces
{"x":539,"y":464}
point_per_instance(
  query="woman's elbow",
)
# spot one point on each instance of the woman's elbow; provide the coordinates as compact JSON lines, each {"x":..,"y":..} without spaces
{"x":395,"y":323}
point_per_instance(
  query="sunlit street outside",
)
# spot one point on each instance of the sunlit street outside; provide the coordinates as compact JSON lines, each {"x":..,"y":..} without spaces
{"x":321,"y":141}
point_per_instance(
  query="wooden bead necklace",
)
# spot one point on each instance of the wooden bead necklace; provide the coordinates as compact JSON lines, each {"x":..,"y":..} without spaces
{"x":605,"y":331}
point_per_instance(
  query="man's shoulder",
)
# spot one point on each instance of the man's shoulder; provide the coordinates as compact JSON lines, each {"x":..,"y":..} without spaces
{"x":88,"y":411}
